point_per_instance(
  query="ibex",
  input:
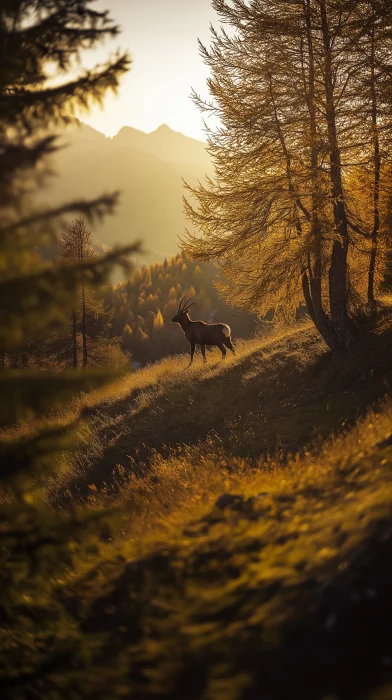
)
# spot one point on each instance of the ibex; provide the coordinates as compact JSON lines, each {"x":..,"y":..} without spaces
{"x":200,"y":333}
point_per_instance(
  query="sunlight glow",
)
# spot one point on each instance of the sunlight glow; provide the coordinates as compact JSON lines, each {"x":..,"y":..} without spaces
{"x":161,"y":36}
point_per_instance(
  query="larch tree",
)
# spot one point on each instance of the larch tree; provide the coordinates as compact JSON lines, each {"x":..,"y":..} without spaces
{"x":371,"y":41}
{"x":280,"y":216}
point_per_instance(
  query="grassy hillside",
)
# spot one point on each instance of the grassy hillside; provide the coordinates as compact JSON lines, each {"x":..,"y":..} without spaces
{"x":252,"y":556}
{"x":278,"y":395}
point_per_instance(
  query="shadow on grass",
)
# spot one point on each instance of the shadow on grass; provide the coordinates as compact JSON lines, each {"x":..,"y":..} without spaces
{"x":244,"y":605}
{"x":281,"y":397}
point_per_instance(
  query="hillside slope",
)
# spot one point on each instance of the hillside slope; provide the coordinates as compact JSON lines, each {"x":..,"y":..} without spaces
{"x":252,"y":559}
{"x":280,"y":394}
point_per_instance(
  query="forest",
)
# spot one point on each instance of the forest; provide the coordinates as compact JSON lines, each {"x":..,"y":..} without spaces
{"x":218,"y":531}
{"x":129,"y":322}
{"x":143,"y":307}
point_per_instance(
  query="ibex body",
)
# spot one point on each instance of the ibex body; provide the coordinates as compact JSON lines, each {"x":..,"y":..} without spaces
{"x":200,"y":333}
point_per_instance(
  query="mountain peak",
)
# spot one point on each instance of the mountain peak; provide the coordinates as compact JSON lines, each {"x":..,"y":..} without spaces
{"x":164,"y":130}
{"x":130,"y":130}
{"x":166,"y":144}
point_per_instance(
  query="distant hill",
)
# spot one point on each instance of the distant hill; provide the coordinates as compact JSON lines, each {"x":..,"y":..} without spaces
{"x":148,"y":169}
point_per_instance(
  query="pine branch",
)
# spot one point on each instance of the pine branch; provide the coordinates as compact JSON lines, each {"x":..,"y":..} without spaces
{"x":16,"y":157}
{"x":91,"y":209}
{"x":49,"y":105}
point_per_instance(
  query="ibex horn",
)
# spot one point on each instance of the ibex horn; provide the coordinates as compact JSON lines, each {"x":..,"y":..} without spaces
{"x":183,"y":305}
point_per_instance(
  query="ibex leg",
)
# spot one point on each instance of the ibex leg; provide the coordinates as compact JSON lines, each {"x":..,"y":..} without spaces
{"x":192,"y":346}
{"x":223,"y":350}
{"x":229,"y":345}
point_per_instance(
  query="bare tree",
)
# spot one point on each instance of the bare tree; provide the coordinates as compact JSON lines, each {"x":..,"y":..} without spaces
{"x":76,"y":247}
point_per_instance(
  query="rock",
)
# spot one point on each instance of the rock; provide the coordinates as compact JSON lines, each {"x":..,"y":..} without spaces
{"x":385,"y":443}
{"x":229,"y":500}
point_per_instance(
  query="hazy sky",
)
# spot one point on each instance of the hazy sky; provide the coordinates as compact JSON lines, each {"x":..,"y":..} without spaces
{"x":161,"y":36}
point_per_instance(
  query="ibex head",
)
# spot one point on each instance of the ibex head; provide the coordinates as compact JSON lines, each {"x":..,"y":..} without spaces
{"x":182,"y":310}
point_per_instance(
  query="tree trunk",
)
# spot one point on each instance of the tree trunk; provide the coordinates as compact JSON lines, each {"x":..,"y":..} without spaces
{"x":338,"y":273}
{"x":84,"y":361}
{"x":74,"y":342}
{"x":312,"y":280}
{"x":377,"y":168}
{"x":338,"y":294}
{"x":287,"y":156}
{"x":312,"y":294}
{"x":307,"y":295}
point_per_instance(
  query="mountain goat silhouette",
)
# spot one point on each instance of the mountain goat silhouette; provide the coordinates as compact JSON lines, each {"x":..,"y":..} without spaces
{"x":200,"y":333}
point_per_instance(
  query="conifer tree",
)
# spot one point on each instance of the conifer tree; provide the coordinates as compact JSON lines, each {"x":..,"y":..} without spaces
{"x":34,"y":296}
{"x":288,"y":86}
{"x":371,"y":35}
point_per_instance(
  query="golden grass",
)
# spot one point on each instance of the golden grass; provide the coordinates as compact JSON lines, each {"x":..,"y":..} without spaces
{"x":279,"y":395}
{"x":250,"y":557}
{"x":167,"y":404}
{"x":219,"y":590}
{"x":183,"y":485}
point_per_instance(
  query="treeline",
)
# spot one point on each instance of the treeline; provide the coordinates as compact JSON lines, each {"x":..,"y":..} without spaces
{"x":130,"y":321}
{"x":141,"y":308}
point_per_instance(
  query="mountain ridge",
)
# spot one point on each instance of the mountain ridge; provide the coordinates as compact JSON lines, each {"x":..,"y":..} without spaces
{"x":163,"y":142}
{"x":161,"y":129}
{"x":147,"y":168}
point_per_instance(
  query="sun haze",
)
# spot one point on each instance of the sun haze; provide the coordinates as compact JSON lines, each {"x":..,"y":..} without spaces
{"x":161,"y":36}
